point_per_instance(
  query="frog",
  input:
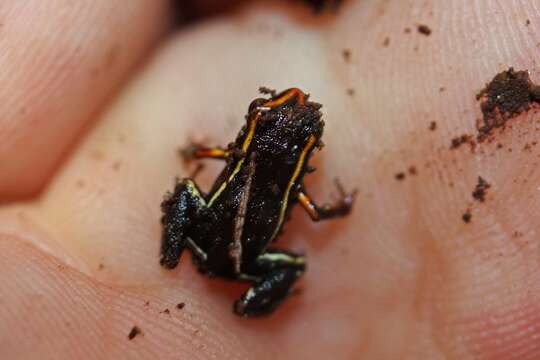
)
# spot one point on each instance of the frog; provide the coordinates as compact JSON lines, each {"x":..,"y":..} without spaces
{"x":231,"y":230}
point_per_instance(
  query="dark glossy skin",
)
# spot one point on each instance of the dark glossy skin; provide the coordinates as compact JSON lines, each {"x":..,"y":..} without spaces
{"x":229,"y":230}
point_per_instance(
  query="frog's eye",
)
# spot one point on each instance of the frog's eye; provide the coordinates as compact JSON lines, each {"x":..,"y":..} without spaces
{"x":255,"y":104}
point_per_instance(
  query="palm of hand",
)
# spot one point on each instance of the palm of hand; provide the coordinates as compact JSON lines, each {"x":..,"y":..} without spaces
{"x":403,"y":277}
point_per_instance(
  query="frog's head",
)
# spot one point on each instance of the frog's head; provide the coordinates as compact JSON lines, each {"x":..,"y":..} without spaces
{"x":287,"y":125}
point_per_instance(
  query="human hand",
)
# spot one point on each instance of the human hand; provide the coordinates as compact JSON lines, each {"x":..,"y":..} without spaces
{"x":403,"y":277}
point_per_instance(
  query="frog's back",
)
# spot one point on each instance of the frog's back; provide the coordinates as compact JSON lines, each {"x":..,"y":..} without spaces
{"x":253,"y":195}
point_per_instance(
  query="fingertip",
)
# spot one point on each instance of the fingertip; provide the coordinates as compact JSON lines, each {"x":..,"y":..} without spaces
{"x":55,"y":81}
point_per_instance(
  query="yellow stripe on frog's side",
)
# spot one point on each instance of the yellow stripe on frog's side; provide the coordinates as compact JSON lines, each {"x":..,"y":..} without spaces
{"x":279,"y":100}
{"x":192,"y":188}
{"x":245,"y":146}
{"x":296,"y":173}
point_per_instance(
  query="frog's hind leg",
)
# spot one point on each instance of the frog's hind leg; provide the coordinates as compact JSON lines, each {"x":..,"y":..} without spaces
{"x":179,"y":209}
{"x":274,"y":274}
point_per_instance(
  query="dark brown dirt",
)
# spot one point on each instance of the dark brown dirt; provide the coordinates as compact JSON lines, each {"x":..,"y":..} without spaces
{"x":507,"y":95}
{"x":386,"y":42}
{"x":467,"y":216}
{"x":412,"y":170}
{"x":180,"y":306}
{"x":134,"y":332}
{"x":463,"y":139}
{"x":480,"y":190}
{"x":433,"y":126}
{"x":346,"y":53}
{"x":400,"y":176}
{"x":424,"y":29}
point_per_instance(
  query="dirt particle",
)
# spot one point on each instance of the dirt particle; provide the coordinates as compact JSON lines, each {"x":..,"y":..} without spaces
{"x":180,"y":306}
{"x":101,"y":266}
{"x":480,"y":190}
{"x":350,"y":92}
{"x":463,"y":139}
{"x":412,"y":170}
{"x":135,"y":330}
{"x":467,"y":216}
{"x":407,"y":30}
{"x":346,"y":53}
{"x":166,"y":311}
{"x":535,"y":93}
{"x":386,"y":42}
{"x":507,"y":95}
{"x":527,"y":22}
{"x":424,"y":29}
{"x":442,"y":89}
{"x":400,"y":176}
{"x":433,"y":126}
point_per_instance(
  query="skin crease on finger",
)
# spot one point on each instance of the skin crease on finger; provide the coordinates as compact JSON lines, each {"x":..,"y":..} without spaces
{"x":402,"y":278}
{"x":60,"y":61}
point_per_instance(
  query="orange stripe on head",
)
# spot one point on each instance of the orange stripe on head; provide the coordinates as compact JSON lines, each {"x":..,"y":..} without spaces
{"x":285,"y":96}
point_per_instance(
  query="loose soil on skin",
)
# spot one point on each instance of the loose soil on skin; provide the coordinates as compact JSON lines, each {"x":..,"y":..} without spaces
{"x":134,"y":332}
{"x":480,"y":190}
{"x":424,"y":29}
{"x":463,"y":139}
{"x":507,"y":95}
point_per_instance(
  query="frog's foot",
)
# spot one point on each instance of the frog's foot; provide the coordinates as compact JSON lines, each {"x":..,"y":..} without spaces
{"x":341,"y":207}
{"x":268,"y":91}
{"x":275,"y":272}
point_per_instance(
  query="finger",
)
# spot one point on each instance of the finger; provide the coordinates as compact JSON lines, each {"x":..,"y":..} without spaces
{"x":51,"y":311}
{"x":468,"y":288}
{"x":103,"y":207}
{"x":61,"y":61}
{"x":403,"y":260}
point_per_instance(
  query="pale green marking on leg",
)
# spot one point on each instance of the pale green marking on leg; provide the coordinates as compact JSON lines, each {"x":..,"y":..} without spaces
{"x":192,"y":188}
{"x":196,"y":250}
{"x":297,"y":260}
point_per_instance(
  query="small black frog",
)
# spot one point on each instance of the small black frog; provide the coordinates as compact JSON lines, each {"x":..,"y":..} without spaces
{"x":229,"y":230}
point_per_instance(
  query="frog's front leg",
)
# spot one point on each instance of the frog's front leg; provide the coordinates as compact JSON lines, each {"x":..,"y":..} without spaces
{"x":179,"y":211}
{"x":327,"y":211}
{"x":197,"y":152}
{"x":273,"y":274}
